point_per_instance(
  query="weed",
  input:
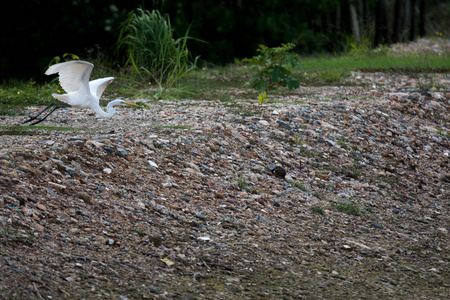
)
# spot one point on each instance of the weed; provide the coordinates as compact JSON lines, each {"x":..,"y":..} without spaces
{"x":262,"y":98}
{"x":140,"y":232}
{"x":243,"y":185}
{"x":10,"y":236}
{"x":32,"y":130}
{"x":317,"y":195}
{"x":440,"y":132}
{"x":298,"y":185}
{"x":317,"y":210}
{"x":272,"y":67}
{"x":152,"y":52}
{"x":348,"y":207}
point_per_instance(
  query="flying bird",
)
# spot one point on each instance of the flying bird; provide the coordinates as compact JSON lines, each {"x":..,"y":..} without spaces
{"x":74,"y":79}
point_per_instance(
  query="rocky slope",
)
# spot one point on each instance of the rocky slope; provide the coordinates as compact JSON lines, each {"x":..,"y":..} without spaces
{"x":326,"y":192}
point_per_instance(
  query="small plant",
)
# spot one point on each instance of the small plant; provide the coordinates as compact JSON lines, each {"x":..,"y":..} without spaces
{"x":348,"y":207}
{"x":243,"y":185}
{"x":140,"y":232}
{"x":262,"y":98}
{"x":298,"y":185}
{"x":317,"y":195}
{"x":441,"y":133}
{"x":66,"y":57}
{"x":272,"y":67}
{"x":317,"y":210}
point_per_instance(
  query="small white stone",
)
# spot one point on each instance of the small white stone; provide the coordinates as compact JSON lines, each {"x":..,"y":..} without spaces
{"x":152,"y":164}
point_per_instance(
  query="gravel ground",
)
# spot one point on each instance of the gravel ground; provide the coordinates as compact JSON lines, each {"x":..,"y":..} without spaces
{"x":323,"y":193}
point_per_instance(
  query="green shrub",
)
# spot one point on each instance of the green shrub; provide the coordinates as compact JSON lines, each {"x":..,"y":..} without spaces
{"x":272,"y":67}
{"x":151,"y":50}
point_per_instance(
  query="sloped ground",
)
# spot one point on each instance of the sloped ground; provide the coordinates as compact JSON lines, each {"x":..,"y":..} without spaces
{"x":327,"y":192}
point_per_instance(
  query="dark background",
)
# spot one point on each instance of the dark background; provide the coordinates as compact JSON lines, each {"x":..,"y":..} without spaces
{"x":34,"y":32}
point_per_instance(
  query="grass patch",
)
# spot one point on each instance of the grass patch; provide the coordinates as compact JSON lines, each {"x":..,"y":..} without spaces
{"x":140,"y":232}
{"x":12,"y":236}
{"x":32,"y":130}
{"x":317,"y":210}
{"x":442,"y":133}
{"x":317,"y":195}
{"x":349,"y":207}
{"x":243,"y":185}
{"x":298,"y":185}
{"x":384,"y":63}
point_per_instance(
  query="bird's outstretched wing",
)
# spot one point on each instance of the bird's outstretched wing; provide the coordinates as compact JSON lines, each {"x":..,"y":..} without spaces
{"x":98,"y":86}
{"x":73,"y":75}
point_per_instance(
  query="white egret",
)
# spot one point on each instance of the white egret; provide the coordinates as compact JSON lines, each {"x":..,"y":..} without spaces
{"x":82,"y":93}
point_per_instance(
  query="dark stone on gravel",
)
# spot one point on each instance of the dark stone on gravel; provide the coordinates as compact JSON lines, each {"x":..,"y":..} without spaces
{"x":284,"y":125}
{"x":279,"y":172}
{"x":108,"y":149}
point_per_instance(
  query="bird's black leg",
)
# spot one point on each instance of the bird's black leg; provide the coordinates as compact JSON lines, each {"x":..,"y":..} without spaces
{"x":55,"y":107}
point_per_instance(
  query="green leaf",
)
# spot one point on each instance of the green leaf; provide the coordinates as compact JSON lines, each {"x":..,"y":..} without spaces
{"x":277,"y":74}
{"x":293,"y":84}
{"x":261,"y":85}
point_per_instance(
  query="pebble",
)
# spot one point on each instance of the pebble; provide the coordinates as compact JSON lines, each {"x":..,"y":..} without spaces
{"x":121,"y":152}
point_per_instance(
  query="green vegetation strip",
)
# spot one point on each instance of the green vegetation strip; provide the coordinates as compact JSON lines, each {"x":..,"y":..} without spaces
{"x":402,"y":64}
{"x":31,"y":130}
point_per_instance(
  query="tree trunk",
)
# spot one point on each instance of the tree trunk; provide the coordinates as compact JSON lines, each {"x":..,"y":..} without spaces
{"x":354,"y":22}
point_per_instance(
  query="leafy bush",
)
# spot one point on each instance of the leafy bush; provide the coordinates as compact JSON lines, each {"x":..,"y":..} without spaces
{"x":272,"y":67}
{"x":151,"y":50}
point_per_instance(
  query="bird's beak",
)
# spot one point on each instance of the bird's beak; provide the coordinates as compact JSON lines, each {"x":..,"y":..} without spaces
{"x":132,"y":104}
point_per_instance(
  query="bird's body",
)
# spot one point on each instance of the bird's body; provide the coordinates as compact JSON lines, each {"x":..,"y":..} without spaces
{"x":82,"y":93}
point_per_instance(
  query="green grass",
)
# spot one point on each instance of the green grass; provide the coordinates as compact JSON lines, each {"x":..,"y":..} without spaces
{"x":244,"y":185}
{"x":399,"y":64}
{"x":317,"y":195}
{"x":349,"y":207}
{"x":32,"y":130}
{"x":317,"y":210}
{"x":298,"y":185}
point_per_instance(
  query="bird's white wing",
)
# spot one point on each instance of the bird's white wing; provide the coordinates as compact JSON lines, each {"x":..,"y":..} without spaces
{"x":98,"y":86}
{"x":73,"y":75}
